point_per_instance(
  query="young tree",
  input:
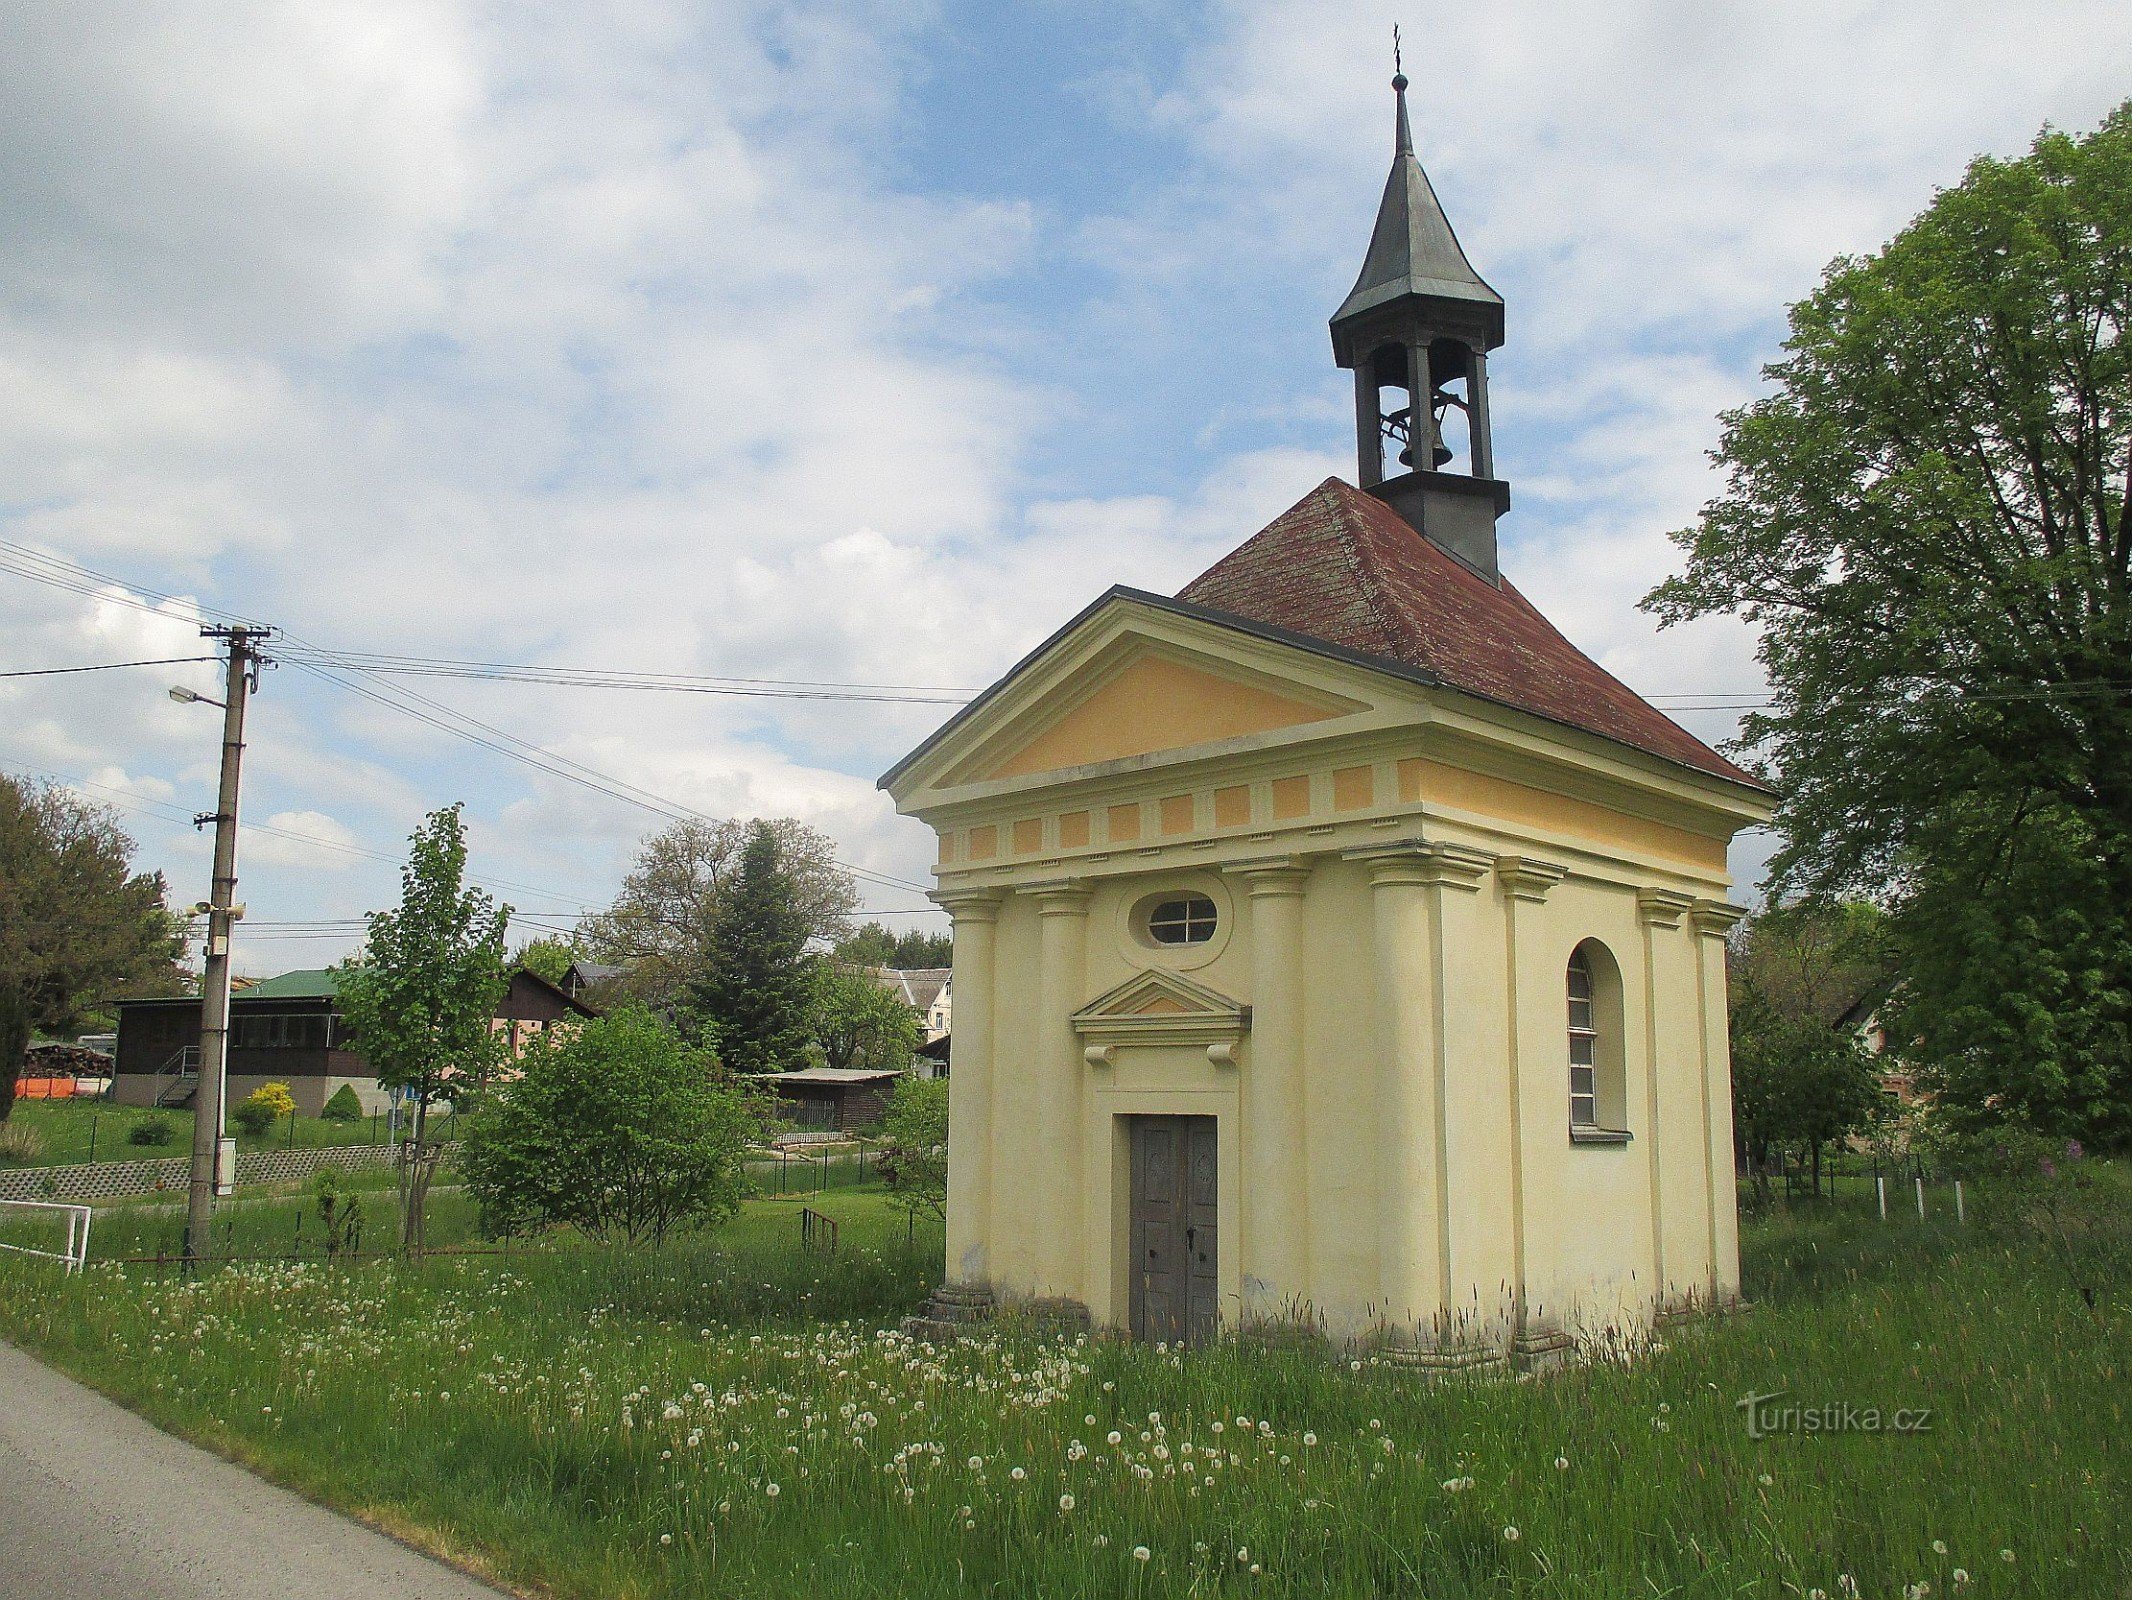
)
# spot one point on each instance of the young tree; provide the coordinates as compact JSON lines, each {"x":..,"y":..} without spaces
{"x":422,"y":1000}
{"x":1801,"y":1084}
{"x":756,"y":990}
{"x":545,"y":958}
{"x":77,"y":926}
{"x":662,"y":923}
{"x":915,"y":1159}
{"x":618,"y":1128}
{"x":856,"y":1022}
{"x":1930,"y":520}
{"x":1801,"y":1076}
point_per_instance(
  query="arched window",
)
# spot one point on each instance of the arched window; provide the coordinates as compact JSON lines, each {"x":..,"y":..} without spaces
{"x":1583,"y":1046}
{"x":1598,"y":1091}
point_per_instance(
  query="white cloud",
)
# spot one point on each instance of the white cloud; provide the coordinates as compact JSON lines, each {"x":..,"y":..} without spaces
{"x":310,"y":841}
{"x":620,"y":337}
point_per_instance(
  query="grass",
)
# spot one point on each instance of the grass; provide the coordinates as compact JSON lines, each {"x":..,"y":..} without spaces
{"x":70,"y":1129}
{"x":724,"y":1416}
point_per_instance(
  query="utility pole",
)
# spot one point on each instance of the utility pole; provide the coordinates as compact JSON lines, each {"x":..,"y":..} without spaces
{"x":242,"y":679}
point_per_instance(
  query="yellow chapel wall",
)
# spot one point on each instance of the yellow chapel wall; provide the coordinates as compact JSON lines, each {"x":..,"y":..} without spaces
{"x":1596,"y":1249}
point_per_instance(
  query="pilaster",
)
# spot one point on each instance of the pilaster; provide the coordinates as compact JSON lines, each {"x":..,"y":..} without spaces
{"x":1275,"y":1133}
{"x":1535,"y":1091}
{"x":971,"y":1085}
{"x":1659,"y":911}
{"x":1407,"y":883}
{"x":1712,"y":920}
{"x":1064,"y":1101}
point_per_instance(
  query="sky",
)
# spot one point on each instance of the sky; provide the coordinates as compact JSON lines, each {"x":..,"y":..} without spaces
{"x":856,"y":343}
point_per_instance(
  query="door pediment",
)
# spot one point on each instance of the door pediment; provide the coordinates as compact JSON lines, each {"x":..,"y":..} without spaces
{"x":1155,"y":1007}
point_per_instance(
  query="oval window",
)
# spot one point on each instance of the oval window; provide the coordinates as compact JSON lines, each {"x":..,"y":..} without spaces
{"x":1182,"y":919}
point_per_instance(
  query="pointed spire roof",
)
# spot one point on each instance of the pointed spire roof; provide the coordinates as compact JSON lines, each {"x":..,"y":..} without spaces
{"x":1413,"y":250}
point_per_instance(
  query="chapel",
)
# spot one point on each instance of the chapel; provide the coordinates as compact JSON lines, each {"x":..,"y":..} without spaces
{"x":1337,"y":945}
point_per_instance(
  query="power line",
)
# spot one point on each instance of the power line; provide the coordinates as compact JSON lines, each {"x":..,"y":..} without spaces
{"x":104,"y":666}
{"x":68,"y":575}
{"x":641,"y":680}
{"x":542,"y":759}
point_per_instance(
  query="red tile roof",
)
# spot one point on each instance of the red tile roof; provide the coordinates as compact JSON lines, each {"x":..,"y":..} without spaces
{"x":1343,"y":567}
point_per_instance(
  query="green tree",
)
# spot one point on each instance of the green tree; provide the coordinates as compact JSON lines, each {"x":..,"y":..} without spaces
{"x":870,"y":944}
{"x":2014,"y":1005}
{"x":545,"y":958}
{"x":856,"y":1022}
{"x":77,"y":926}
{"x":1929,"y":519}
{"x":619,"y":1128}
{"x":915,"y":1158}
{"x":1801,"y":976}
{"x":662,"y":923}
{"x":756,"y":991}
{"x":422,"y":1000}
{"x":1795,"y":1083}
{"x":873,"y":944}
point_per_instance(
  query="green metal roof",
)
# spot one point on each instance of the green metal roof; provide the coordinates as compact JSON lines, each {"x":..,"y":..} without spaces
{"x":316,"y":983}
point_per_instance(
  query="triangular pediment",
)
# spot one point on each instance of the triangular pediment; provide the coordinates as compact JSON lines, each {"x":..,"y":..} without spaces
{"x":1127,"y":684}
{"x":1162,"y":1005}
{"x":1144,"y":701}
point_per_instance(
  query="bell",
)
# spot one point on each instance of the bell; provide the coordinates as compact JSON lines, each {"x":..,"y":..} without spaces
{"x":1441,"y":454}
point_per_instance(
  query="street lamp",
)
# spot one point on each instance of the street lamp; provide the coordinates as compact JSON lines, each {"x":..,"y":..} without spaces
{"x":185,"y":697}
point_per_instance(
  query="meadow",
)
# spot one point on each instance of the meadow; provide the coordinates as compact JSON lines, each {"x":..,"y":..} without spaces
{"x":735,"y":1415}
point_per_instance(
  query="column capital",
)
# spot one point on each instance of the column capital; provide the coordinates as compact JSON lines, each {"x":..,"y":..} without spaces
{"x":1662,"y":908}
{"x":968,"y":906}
{"x":1714,"y":918}
{"x":1432,"y":865}
{"x":1425,"y":865}
{"x":1059,"y":897}
{"x":1526,"y":878}
{"x":1271,"y":875}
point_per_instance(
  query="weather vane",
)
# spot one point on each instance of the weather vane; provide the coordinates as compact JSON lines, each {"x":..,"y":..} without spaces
{"x":1397,"y":69}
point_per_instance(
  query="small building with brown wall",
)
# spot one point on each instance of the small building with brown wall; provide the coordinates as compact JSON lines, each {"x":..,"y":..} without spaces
{"x":832,"y":1099}
{"x":289,"y":1030}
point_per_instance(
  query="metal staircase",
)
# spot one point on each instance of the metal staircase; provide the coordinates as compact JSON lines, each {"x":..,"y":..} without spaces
{"x":178,"y":1079}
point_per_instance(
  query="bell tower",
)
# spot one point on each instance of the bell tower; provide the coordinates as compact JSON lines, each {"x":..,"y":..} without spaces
{"x":1416,"y":330}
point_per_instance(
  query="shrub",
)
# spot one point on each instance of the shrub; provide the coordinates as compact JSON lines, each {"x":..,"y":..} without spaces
{"x":263,"y":1107}
{"x":151,"y":1131}
{"x":340,"y":1209}
{"x":20,"y":1146}
{"x":345,"y":1106}
{"x":619,"y":1128}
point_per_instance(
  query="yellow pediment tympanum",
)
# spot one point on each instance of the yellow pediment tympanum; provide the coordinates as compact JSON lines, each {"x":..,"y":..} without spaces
{"x":1157,"y":1007}
{"x":1155,"y":702}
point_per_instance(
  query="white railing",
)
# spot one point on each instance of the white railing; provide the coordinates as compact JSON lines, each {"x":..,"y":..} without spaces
{"x":77,"y":1251}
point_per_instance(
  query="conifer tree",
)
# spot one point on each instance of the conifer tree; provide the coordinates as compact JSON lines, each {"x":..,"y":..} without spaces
{"x":756,"y":993}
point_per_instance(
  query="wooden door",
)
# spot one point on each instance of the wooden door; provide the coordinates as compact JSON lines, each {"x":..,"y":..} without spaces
{"x":1175,"y":1250}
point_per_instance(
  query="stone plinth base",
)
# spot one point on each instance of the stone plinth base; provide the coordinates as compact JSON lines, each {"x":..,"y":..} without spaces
{"x":954,"y":1309}
{"x":1449,"y":1361}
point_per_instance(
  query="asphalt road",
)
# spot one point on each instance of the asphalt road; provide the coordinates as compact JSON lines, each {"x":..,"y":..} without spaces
{"x":96,"y":1504}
